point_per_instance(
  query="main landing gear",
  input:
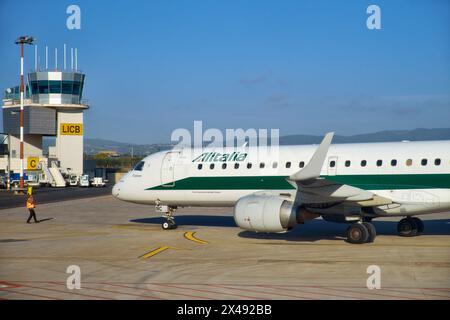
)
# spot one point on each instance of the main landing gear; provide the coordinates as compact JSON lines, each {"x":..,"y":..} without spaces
{"x":364,"y":232}
{"x":361,"y":232}
{"x":167,"y":214}
{"x":410,"y":227}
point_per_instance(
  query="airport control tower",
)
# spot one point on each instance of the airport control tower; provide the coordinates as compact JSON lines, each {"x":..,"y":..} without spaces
{"x":53,"y":106}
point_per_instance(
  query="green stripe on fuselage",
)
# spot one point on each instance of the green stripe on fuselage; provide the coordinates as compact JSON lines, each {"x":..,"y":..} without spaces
{"x":366,"y":182}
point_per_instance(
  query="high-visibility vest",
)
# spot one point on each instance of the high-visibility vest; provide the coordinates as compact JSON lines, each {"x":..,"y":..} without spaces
{"x":30,"y":204}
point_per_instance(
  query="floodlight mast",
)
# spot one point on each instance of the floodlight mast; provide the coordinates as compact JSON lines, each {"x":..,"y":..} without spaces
{"x":21,"y":41}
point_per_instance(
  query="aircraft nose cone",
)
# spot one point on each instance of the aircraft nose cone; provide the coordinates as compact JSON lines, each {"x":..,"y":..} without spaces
{"x":116,"y":190}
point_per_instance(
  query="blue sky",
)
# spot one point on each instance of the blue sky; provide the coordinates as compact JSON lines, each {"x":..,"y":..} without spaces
{"x":301,"y":66}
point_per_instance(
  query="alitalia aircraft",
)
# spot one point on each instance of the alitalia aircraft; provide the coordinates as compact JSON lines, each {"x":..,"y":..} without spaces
{"x":348,"y":183}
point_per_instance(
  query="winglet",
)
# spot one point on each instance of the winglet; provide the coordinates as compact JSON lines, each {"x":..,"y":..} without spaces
{"x":312,"y":169}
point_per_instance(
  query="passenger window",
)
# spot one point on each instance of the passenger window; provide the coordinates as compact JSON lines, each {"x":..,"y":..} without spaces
{"x":301,"y":164}
{"x":200,"y":166}
{"x":347,"y":163}
{"x":139,"y":166}
{"x":236,"y":165}
{"x":424,"y":162}
{"x":393,"y":162}
{"x":262,"y":165}
{"x":437,"y":162}
{"x":224,"y":165}
{"x":409,"y":162}
{"x":275,"y":165}
{"x":379,"y":163}
{"x":249,"y":165}
{"x":332,"y":164}
{"x":211,"y":166}
{"x":288,"y":164}
{"x":363,"y":163}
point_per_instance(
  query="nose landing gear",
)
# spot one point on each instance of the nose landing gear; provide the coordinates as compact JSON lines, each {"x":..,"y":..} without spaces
{"x":167,"y":214}
{"x":168,"y":224}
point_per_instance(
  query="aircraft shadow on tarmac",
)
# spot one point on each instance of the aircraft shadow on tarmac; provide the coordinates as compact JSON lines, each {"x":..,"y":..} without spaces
{"x":311,"y":231}
{"x":316,"y":230}
{"x":194,"y":220}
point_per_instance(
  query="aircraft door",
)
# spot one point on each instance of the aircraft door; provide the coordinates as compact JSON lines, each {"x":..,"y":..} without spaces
{"x":168,"y":169}
{"x":332,"y":165}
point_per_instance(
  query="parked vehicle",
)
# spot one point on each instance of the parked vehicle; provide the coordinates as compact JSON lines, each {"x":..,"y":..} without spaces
{"x":98,"y":182}
{"x":33,"y":179}
{"x":3,"y":180}
{"x":73,"y":179}
{"x":14,"y":179}
{"x":84,"y":180}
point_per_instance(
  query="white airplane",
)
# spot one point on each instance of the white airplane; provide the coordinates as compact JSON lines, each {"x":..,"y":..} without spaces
{"x":349,"y":183}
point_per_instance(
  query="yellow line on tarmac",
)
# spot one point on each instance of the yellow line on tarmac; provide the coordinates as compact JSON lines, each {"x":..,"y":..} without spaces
{"x":156,"y":251}
{"x":190,"y":236}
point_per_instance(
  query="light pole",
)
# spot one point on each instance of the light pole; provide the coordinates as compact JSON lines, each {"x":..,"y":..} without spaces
{"x":22,"y":40}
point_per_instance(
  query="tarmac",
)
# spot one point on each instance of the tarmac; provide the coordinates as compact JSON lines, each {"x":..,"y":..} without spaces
{"x":123,"y":253}
{"x":9,"y":199}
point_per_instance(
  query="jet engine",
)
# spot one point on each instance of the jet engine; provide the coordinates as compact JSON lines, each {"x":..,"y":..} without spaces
{"x":263,"y":213}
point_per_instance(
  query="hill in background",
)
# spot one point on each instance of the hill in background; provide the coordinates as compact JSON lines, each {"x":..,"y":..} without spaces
{"x":381,"y":136}
{"x":92,"y":146}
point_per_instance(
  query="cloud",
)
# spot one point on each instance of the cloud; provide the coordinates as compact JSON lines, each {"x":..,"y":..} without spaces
{"x":253,"y":80}
{"x":396,"y":105}
{"x":278,"y":100}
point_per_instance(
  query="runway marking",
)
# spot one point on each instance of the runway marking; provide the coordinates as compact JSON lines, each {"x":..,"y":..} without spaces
{"x":296,"y":289}
{"x":67,"y":292}
{"x":4,"y":284}
{"x":260,"y":292}
{"x":28,"y":294}
{"x":167,"y":292}
{"x":371,"y":292}
{"x":123,"y":293}
{"x":155,"y":252}
{"x":190,"y":236}
{"x":209,"y":291}
{"x":421,"y":293}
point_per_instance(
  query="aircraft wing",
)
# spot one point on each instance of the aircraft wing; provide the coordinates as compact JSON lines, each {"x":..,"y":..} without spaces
{"x":313,"y":188}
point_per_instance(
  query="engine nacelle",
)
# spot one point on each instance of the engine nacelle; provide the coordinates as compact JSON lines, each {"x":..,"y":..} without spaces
{"x":262,"y":213}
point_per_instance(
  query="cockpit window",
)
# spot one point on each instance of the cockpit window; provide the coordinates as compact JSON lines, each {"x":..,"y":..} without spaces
{"x":139,"y":166}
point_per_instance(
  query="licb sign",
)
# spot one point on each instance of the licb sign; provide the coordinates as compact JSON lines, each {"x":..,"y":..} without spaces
{"x":71,"y":129}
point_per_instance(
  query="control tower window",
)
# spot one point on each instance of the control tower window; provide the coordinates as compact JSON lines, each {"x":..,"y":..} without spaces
{"x":43,"y":87}
{"x":34,"y":87}
{"x":67,"y":87}
{"x":76,"y":88}
{"x":55,"y":86}
{"x":139,"y":166}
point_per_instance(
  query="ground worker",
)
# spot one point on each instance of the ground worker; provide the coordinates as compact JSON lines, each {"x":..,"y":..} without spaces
{"x":31,"y":206}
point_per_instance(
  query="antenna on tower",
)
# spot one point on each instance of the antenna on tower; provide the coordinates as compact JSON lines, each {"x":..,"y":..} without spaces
{"x":64,"y":56}
{"x":76,"y":59}
{"x":35,"y":58}
{"x":56,"y":59}
{"x":46,"y":58}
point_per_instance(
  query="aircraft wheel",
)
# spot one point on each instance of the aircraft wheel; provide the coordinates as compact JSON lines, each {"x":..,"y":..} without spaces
{"x":407,"y":227}
{"x":165,"y":225}
{"x":169,"y":224}
{"x":357,"y":233}
{"x":420,"y":226}
{"x":372,"y":231}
